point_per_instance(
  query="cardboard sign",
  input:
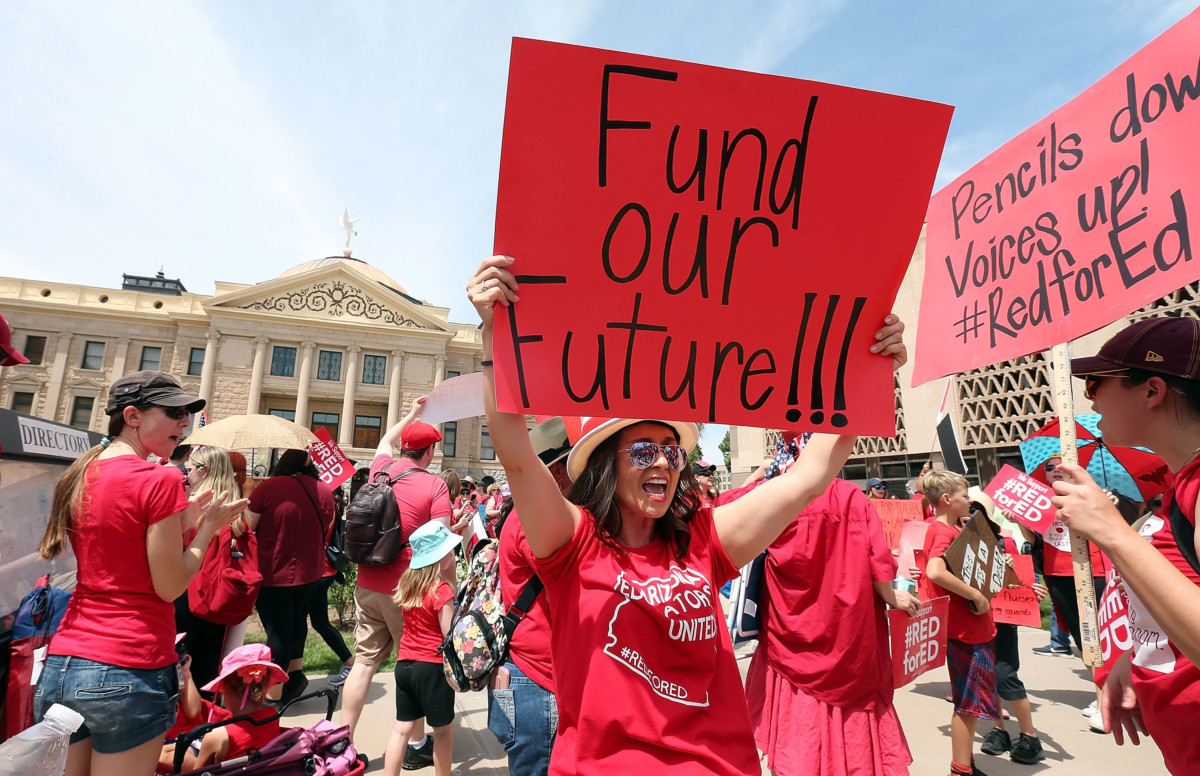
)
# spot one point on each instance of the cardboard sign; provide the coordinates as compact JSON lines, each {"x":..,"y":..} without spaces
{"x":918,"y":643}
{"x":1116,"y":637}
{"x":1077,"y":221}
{"x":912,"y":541}
{"x":977,"y":558}
{"x":684,"y":237}
{"x":893,"y":514}
{"x":1018,"y":605}
{"x":1026,"y":498}
{"x":332,"y":464}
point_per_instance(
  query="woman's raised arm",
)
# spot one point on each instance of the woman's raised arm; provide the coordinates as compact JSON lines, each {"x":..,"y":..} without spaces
{"x":549,"y":519}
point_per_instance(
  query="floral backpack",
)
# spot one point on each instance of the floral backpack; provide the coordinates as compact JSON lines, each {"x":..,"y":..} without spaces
{"x":477,"y":642}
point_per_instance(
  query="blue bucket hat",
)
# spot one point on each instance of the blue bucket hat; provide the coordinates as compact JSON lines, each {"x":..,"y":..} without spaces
{"x":430,"y":543}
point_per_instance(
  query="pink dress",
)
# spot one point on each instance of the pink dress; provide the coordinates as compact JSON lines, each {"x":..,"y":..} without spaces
{"x":820,"y":687}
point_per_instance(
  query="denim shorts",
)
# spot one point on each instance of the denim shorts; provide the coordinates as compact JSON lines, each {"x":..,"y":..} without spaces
{"x":122,"y":708}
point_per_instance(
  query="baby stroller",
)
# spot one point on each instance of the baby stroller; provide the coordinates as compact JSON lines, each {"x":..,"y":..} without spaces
{"x":321,"y":750}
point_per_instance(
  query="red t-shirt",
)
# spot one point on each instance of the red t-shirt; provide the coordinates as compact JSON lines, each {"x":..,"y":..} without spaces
{"x":1056,"y":562}
{"x":825,"y":628}
{"x":115,"y":616}
{"x":209,"y":712}
{"x":422,"y":629}
{"x":646,"y":677}
{"x":1166,"y":682}
{"x":964,"y":624}
{"x":291,"y":536}
{"x":244,"y":736}
{"x":530,"y":644}
{"x":422,"y":497}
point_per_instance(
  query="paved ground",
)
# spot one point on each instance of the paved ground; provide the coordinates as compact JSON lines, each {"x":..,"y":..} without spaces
{"x":1058,"y":689}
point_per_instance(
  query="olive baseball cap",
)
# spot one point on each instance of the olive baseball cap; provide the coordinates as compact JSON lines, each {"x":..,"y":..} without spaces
{"x":150,"y":389}
{"x":1167,"y":346}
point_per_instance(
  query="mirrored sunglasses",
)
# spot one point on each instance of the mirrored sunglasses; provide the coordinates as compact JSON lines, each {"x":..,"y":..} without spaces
{"x":643,"y":455}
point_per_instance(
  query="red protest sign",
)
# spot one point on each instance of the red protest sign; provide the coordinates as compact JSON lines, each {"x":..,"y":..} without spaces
{"x":1027,"y":499}
{"x":912,"y":541}
{"x":893,"y":514}
{"x":918,"y":643}
{"x":1017,"y":606}
{"x":332,"y":464}
{"x":1116,"y":638}
{"x":1072,"y":224}
{"x":682,"y":236}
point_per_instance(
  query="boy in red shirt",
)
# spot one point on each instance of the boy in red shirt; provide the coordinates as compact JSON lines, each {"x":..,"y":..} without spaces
{"x":971,"y":646}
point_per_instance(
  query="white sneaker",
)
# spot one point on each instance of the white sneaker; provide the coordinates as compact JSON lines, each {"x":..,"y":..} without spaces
{"x":1089,"y":709}
{"x":340,"y":679}
{"x":1097,"y":722}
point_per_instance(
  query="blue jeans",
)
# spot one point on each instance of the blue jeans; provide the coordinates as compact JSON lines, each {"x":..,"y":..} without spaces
{"x":525,"y":720}
{"x":122,"y":708}
{"x":1058,"y":637}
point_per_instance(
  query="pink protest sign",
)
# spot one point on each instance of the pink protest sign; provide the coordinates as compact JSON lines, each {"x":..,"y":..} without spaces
{"x":912,"y":539}
{"x":682,"y":236}
{"x":332,"y":464}
{"x":1115,"y":636}
{"x":918,"y":643}
{"x":1026,"y":498}
{"x":1072,"y":224}
{"x":894,"y":514}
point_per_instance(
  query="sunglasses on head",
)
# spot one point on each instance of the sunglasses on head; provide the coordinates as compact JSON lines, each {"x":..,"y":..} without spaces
{"x":643,"y":455}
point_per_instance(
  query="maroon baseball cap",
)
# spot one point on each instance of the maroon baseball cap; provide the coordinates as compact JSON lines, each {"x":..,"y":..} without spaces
{"x":417,"y":435}
{"x":10,"y":355}
{"x":1168,"y":346}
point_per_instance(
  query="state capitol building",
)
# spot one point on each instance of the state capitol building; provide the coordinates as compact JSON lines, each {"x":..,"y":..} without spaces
{"x":337,"y":343}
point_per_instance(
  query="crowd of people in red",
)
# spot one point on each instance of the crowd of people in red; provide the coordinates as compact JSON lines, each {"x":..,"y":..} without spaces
{"x":622,"y":663}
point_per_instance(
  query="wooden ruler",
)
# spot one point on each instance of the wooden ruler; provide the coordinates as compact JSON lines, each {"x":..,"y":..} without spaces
{"x":1085,"y":592}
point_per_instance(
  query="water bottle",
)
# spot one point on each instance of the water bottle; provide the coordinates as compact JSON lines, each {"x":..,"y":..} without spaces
{"x":42,"y":749}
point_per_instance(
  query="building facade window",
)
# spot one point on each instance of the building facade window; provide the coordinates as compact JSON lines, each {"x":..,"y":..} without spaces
{"x":450,"y":373}
{"x":283,"y":361}
{"x":329,"y":365}
{"x":22,"y":401}
{"x":81,"y":411}
{"x":93,"y":355}
{"x":374,"y":370}
{"x":450,"y":439}
{"x":196,"y":361}
{"x":285,"y":414}
{"x":366,"y":430}
{"x":486,"y":451}
{"x":35,"y":349}
{"x":327,"y":421}
{"x":151,"y":358}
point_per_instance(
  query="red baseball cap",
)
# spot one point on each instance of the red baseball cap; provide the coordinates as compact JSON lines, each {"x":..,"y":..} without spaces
{"x":417,"y":435}
{"x":11,"y":355}
{"x":1168,"y":346}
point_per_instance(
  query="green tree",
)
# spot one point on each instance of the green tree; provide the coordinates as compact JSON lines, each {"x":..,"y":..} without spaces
{"x":697,"y":453}
{"x":724,"y":448}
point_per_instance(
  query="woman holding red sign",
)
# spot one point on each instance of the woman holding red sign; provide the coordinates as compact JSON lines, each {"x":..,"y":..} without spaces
{"x":645,"y":674}
{"x":1145,"y":382}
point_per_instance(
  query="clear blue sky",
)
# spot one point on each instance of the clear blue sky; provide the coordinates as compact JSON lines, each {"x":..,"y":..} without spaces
{"x":220,"y":140}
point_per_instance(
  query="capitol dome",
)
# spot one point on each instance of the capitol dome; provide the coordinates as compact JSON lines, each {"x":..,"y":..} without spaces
{"x":374,"y":273}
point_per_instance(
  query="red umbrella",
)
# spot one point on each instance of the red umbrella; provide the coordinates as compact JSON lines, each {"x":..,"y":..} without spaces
{"x":1133,"y":472}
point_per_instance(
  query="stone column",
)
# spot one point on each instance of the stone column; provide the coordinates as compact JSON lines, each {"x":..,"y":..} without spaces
{"x":58,"y":373}
{"x":119,"y":359}
{"x":209,"y":367}
{"x":346,"y":426}
{"x":439,"y":369}
{"x":306,"y":367}
{"x":393,"y":413}
{"x":256,"y":374}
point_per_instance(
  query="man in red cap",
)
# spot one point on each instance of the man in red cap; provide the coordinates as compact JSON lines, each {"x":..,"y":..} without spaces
{"x":9,"y":355}
{"x":378,"y":621}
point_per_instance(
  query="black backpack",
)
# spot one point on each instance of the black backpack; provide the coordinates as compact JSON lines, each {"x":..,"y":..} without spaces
{"x":373,"y":536}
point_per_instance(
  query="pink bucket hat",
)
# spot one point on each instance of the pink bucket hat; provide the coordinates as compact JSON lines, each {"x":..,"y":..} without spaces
{"x":249,"y":661}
